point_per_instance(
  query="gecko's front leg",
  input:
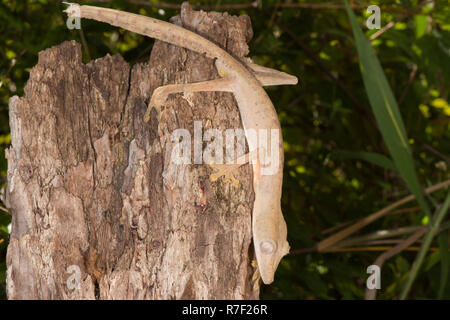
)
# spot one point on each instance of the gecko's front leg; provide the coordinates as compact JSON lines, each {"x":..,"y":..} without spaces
{"x":256,"y":277}
{"x":266,"y":76}
{"x":160,"y":94}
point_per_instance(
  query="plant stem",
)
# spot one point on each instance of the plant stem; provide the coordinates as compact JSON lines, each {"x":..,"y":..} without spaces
{"x":328,"y":242}
{"x":424,"y":248}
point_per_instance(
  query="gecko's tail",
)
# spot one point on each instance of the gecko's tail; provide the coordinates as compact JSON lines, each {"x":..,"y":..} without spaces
{"x":178,"y":36}
{"x":73,"y":9}
{"x":150,"y":27}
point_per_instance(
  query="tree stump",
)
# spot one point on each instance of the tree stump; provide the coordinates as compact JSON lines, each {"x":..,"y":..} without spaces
{"x":99,"y":208}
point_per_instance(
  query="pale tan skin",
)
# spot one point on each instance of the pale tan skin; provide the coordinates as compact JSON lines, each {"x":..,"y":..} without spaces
{"x":245,"y":80}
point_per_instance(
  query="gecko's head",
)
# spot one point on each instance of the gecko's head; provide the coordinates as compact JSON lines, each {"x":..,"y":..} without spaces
{"x":270,"y":249}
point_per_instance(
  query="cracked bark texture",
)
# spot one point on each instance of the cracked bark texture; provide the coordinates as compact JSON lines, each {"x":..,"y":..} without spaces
{"x":91,"y":185}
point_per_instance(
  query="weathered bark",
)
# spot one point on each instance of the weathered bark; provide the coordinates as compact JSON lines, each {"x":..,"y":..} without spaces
{"x":91,"y":185}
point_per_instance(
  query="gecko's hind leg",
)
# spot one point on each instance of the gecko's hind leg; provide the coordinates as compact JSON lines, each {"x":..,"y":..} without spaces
{"x":227,"y":170}
{"x":270,"y":77}
{"x":160,"y":94}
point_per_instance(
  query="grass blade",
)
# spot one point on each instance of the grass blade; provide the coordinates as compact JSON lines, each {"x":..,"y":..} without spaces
{"x":385,"y":109}
{"x":374,"y":158}
{"x":425,"y":246}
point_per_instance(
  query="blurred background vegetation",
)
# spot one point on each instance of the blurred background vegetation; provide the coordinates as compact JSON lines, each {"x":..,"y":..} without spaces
{"x":328,"y":125}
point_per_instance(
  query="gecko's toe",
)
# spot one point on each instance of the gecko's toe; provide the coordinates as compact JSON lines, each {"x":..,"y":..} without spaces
{"x":147,"y":115}
{"x":225,"y":170}
{"x":156,"y":113}
{"x":256,"y":277}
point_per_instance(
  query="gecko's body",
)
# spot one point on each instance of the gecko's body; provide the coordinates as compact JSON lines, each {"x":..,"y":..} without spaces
{"x":256,"y":110}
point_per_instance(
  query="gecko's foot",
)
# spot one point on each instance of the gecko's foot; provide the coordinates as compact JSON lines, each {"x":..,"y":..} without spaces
{"x":256,"y":276}
{"x":157,"y":101}
{"x":150,"y":107}
{"x":225,"y":170}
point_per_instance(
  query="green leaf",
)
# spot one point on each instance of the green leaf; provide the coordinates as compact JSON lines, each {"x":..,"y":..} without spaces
{"x":420,"y":22}
{"x":385,"y":109}
{"x":375,"y":158}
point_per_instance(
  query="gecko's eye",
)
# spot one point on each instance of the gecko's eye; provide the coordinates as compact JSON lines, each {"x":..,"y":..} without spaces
{"x":267,"y":247}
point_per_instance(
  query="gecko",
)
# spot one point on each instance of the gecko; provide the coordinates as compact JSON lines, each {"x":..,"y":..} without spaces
{"x":245,"y":80}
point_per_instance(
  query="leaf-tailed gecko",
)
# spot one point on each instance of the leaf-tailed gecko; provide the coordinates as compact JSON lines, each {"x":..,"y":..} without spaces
{"x":245,"y":80}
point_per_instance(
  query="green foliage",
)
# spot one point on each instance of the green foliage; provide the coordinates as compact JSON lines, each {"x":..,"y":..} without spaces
{"x":441,"y":213}
{"x":334,"y":114}
{"x":386,"y":111}
{"x":375,"y":158}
